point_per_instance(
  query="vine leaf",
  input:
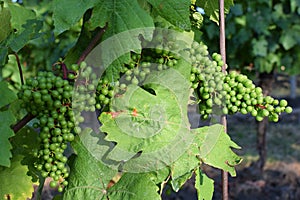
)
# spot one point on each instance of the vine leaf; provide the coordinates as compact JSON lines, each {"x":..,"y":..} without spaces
{"x":120,"y":16}
{"x":260,"y":47}
{"x":25,"y":24}
{"x":89,"y":177}
{"x":23,"y":144}
{"x":67,"y":13}
{"x":15,"y":183}
{"x":204,"y":185}
{"x":289,"y":39}
{"x":182,"y":169}
{"x":215,"y":148}
{"x":5,"y":26}
{"x":211,"y":8}
{"x":8,"y":96}
{"x":125,"y":17}
{"x":177,"y":13}
{"x":161,"y":124}
{"x":133,"y":186}
{"x":7,"y":119}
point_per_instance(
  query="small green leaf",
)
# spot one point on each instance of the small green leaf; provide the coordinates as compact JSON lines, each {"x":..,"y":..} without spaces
{"x":126,"y":20}
{"x":19,"y":16}
{"x":204,"y":186}
{"x":177,"y":13}
{"x":5,"y":26}
{"x":25,"y":24}
{"x":8,"y":96}
{"x":6,"y":119}
{"x":133,"y":186}
{"x":260,"y":47}
{"x":67,"y":13}
{"x":289,"y":39}
{"x":182,"y":169}
{"x":24,"y":143}
{"x":15,"y":184}
{"x":121,"y":16}
{"x":19,"y":39}
{"x":215,"y":148}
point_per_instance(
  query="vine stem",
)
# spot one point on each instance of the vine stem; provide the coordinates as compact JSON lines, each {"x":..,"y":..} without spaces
{"x":92,"y":44}
{"x":223,"y":117}
{"x":20,"y":68}
{"x":22,"y":122}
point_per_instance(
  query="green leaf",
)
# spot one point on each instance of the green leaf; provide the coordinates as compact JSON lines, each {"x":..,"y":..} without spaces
{"x":18,"y":40}
{"x":294,"y":5}
{"x":263,"y":65}
{"x":7,"y":119}
{"x":134,"y":186}
{"x":204,"y":186}
{"x":161,"y":124}
{"x":177,"y":13}
{"x":3,"y":55}
{"x":121,"y":16}
{"x":25,"y":24}
{"x":24,"y":143}
{"x":74,"y":54}
{"x":15,"y":184}
{"x":126,"y":20}
{"x":67,"y":13}
{"x":182,"y":169}
{"x":89,"y":177}
{"x":289,"y":39}
{"x":5,"y":26}
{"x":19,"y":16}
{"x":211,"y":8}
{"x":260,"y":47}
{"x":7,"y":96}
{"x":215,"y":148}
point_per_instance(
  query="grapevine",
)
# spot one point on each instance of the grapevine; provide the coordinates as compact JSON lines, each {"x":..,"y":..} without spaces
{"x":139,"y":100}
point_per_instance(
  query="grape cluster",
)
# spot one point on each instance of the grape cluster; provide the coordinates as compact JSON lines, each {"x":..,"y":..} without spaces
{"x":159,"y":54}
{"x":48,"y":97}
{"x":206,"y":78}
{"x":244,"y":97}
{"x":104,"y":92}
{"x":156,"y":55}
{"x":224,"y":93}
{"x":84,"y":98}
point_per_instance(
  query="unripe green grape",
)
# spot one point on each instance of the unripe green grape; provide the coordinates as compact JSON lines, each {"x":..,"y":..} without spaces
{"x":243,"y":111}
{"x":288,"y":109}
{"x":135,"y":81}
{"x":278,"y":109}
{"x":65,"y":183}
{"x":234,"y":109}
{"x":283,"y":103}
{"x":259,"y":118}
{"x":249,"y":109}
{"x":265,"y":113}
{"x":225,"y":110}
{"x":254,"y":113}
{"x":53,"y":184}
